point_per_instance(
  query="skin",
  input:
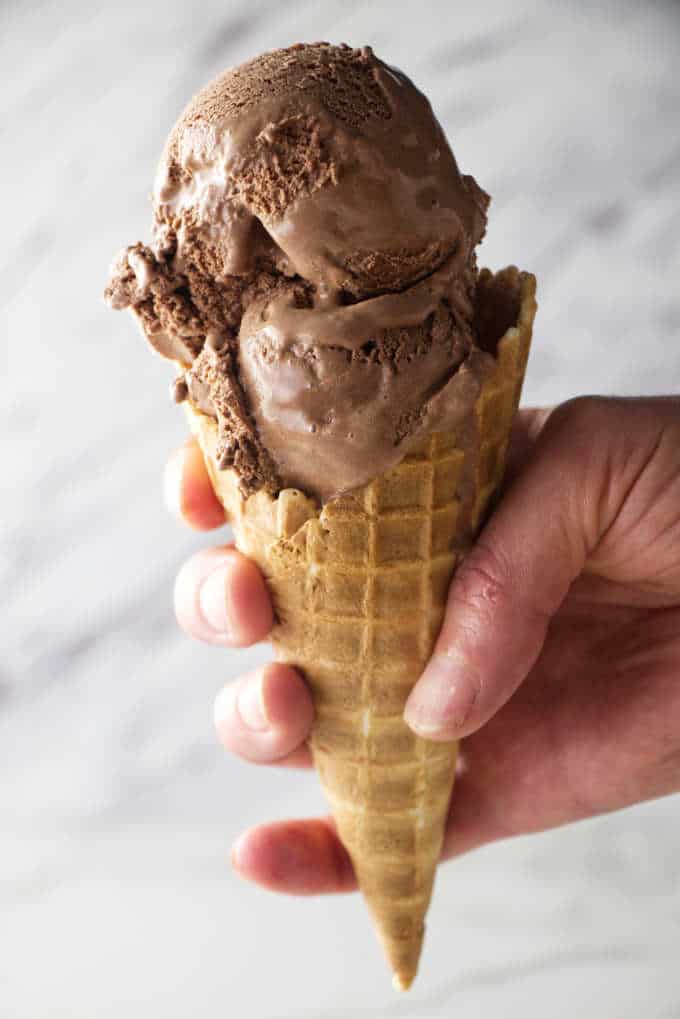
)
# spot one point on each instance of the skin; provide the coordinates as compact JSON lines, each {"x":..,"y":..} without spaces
{"x":558,"y":661}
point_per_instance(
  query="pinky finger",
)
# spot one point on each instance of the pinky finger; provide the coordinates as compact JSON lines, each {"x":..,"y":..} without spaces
{"x":295,"y":857}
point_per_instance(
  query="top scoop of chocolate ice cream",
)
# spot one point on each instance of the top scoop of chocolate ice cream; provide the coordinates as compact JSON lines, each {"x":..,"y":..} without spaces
{"x":312,"y":268}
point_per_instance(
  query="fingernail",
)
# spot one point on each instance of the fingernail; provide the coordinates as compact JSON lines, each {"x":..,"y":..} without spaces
{"x":443,"y":698}
{"x":212,"y":601}
{"x":251,"y":707}
{"x":236,"y":852}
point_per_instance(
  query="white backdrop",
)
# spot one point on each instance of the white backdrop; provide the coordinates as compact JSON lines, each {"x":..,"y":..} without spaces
{"x":117,"y":807}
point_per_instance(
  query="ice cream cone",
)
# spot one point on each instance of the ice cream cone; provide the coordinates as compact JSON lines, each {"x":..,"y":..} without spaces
{"x":360,"y":588}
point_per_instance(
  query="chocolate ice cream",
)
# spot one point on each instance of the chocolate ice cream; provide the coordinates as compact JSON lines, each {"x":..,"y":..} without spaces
{"x":312,"y":269}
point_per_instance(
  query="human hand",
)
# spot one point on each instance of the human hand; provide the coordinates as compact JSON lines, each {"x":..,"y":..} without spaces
{"x":558,"y":659}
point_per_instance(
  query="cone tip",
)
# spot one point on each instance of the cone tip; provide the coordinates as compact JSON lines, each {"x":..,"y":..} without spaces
{"x":402,"y":981}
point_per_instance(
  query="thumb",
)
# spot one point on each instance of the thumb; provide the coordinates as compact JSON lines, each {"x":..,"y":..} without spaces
{"x":514,"y":578}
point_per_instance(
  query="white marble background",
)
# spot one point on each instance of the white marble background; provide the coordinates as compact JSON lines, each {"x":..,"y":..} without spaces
{"x":116,"y":806}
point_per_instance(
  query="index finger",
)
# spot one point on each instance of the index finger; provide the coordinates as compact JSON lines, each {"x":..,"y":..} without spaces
{"x":188,"y":490}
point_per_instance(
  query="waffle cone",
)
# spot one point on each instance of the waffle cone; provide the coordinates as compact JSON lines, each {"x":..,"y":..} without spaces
{"x":360,"y":588}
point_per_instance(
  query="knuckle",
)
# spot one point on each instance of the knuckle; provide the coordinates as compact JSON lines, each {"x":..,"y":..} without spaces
{"x":583,"y":411}
{"x":577,"y":423}
{"x":487,"y":591}
{"x":477,"y":596}
{"x":481,"y":583}
{"x":600,"y":447}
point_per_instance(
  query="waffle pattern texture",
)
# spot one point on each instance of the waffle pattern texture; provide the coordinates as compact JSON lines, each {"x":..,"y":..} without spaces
{"x":360,"y":589}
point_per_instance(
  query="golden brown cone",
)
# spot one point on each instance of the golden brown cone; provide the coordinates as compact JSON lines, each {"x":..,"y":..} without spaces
{"x":359,"y":588}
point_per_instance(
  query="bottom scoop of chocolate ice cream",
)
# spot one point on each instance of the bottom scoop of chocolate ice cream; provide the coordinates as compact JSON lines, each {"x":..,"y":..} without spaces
{"x":330,"y":416}
{"x":333,"y":416}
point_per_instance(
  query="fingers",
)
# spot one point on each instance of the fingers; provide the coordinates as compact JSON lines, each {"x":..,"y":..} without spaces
{"x":297,"y":857}
{"x":505,"y":592}
{"x":221,"y":598}
{"x":189,"y":494}
{"x":266,"y":716}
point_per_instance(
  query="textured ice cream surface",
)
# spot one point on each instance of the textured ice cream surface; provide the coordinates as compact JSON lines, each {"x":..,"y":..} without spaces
{"x":312,"y":268}
{"x":327,"y":410}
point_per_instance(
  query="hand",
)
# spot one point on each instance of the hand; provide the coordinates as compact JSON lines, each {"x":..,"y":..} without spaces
{"x":558,"y":660}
